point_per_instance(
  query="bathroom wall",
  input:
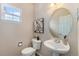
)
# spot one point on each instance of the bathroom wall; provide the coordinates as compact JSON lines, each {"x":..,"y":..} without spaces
{"x":78,"y":30}
{"x":12,"y":33}
{"x":44,"y":10}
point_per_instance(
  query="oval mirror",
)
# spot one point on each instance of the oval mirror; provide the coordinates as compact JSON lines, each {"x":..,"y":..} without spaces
{"x":60,"y":24}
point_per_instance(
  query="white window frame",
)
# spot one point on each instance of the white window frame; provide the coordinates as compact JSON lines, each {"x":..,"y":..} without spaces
{"x":3,"y":13}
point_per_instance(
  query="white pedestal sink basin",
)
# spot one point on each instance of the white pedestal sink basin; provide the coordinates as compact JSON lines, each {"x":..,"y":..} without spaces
{"x":57,"y":47}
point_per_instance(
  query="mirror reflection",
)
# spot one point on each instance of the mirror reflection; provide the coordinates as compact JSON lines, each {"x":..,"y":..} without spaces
{"x":60,"y":23}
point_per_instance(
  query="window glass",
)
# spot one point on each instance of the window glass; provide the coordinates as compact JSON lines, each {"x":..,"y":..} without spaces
{"x":10,"y":13}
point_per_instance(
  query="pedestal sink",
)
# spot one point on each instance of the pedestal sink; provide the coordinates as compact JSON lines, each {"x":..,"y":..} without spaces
{"x":57,"y":46}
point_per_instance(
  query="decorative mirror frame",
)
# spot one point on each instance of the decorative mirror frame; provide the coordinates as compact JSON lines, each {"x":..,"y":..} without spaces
{"x":77,"y":14}
{"x":72,"y":21}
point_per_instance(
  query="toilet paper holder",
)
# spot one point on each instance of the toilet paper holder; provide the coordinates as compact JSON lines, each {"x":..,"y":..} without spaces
{"x":20,"y":44}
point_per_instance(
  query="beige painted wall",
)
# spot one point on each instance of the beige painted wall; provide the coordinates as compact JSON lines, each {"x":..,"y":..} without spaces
{"x":78,"y":34}
{"x":12,"y":33}
{"x":43,"y":10}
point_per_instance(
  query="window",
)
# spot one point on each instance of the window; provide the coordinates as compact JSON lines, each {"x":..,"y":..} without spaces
{"x":10,"y":13}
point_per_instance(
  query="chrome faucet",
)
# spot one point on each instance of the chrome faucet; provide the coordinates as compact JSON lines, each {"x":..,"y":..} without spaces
{"x":65,"y":40}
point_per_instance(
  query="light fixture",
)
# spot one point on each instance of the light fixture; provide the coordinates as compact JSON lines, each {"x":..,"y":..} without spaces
{"x":56,"y":5}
